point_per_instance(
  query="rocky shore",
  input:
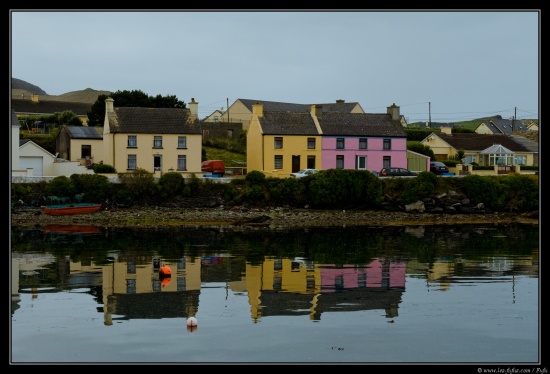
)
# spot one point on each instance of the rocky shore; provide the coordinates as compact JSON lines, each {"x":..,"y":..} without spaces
{"x":239,"y":218}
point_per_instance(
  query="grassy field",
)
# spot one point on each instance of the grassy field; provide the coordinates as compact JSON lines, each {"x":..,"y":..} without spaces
{"x":230,"y":158}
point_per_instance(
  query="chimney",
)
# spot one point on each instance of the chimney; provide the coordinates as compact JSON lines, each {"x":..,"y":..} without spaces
{"x":194,"y":108}
{"x":109,"y":105}
{"x":317,"y":110}
{"x":394,"y":111}
{"x":447,"y":130}
{"x":340,"y":101}
{"x":258,"y":109}
{"x":34,"y":98}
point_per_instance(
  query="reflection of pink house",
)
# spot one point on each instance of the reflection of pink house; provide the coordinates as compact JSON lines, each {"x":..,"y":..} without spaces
{"x":377,"y":274}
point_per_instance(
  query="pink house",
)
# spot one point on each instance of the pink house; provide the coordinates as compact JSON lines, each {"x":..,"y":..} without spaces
{"x":363,"y":141}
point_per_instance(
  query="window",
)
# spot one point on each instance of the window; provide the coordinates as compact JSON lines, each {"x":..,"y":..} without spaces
{"x":216,"y":118}
{"x":339,"y":162}
{"x":86,"y":151}
{"x":132,"y":162}
{"x":278,"y":162}
{"x":157,"y":143}
{"x":361,"y":163}
{"x":310,"y":143}
{"x":386,"y":162}
{"x":182,"y":162}
{"x":521,"y":160}
{"x":182,"y":142}
{"x":132,"y":141}
{"x":230,"y":133}
{"x":278,"y":143}
{"x":362,"y":143}
{"x":387,"y":144}
{"x":340,"y":143}
{"x":130,"y":286}
{"x":311,"y":162}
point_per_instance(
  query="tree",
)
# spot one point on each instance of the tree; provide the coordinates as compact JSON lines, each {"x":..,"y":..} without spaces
{"x":422,"y":149}
{"x":135,"y":98}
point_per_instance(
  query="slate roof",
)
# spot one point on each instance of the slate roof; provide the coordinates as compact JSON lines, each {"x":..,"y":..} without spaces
{"x":360,"y":124}
{"x":85,"y":132}
{"x":137,"y":120}
{"x":479,"y":142}
{"x":23,"y":141}
{"x":341,"y":107}
{"x":49,"y":107}
{"x":504,"y":126}
{"x":287,"y":123}
{"x":528,"y":143}
{"x":14,"y":119}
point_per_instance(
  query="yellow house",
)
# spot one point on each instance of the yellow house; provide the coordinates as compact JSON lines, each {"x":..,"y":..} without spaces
{"x":279,"y":143}
{"x":157,"y":140}
{"x":477,"y":148}
{"x":241,"y":109}
{"x":79,"y":143}
{"x":498,"y":126}
{"x":27,"y":109}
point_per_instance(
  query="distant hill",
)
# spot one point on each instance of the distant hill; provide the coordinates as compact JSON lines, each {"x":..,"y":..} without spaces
{"x":24,"y":90}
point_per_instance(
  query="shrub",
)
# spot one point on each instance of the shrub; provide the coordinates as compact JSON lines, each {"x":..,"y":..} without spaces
{"x":96,"y":188}
{"x":255,"y":177}
{"x":103,"y":168}
{"x":139,"y":182}
{"x":61,"y":187}
{"x":523,"y":192}
{"x":171,"y":184}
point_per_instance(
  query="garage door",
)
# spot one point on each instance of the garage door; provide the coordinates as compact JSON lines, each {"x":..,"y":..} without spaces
{"x":32,"y":162}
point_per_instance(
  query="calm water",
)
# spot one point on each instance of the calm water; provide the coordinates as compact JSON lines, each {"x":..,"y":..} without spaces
{"x":462,"y":295}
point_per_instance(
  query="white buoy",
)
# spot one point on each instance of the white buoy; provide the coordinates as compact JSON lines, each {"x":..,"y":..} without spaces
{"x":191,"y":322}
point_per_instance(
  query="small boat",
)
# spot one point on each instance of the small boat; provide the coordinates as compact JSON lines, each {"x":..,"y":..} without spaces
{"x":66,"y":209}
{"x":71,"y":229}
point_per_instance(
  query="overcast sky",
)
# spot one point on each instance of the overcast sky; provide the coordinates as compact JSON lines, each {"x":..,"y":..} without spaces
{"x":452,"y":66}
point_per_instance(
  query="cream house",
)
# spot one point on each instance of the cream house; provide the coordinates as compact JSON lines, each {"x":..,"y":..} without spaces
{"x":157,"y":140}
{"x":241,"y":109}
{"x":480,"y":148}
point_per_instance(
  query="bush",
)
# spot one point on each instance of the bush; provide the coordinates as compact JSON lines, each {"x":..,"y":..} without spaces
{"x":96,"y":188}
{"x":103,"y":169}
{"x":61,"y":187}
{"x":255,"y":177}
{"x":171,"y":184}
{"x":138,"y":183}
{"x":286,"y":190}
{"x":523,"y":192}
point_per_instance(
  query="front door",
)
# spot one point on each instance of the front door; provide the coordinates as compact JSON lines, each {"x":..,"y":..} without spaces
{"x":157,"y":162}
{"x":295,"y":163}
{"x":361,"y":163}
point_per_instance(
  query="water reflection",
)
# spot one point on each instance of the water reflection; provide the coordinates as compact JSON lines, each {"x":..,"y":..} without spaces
{"x":290,"y":273}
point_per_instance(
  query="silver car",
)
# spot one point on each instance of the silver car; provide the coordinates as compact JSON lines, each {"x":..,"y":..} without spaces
{"x":304,"y":173}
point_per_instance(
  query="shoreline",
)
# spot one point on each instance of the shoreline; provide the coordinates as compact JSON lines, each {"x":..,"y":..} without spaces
{"x":239,"y":217}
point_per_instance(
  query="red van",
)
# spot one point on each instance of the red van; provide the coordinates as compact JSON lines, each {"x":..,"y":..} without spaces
{"x":216,"y":167}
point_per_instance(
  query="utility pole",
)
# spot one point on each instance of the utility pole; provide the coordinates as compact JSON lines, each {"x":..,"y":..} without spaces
{"x":514,"y":120}
{"x":227,"y":100}
{"x":429,"y":114}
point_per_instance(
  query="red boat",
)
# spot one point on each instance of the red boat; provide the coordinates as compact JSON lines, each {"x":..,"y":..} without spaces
{"x":71,"y":229}
{"x":66,"y":209}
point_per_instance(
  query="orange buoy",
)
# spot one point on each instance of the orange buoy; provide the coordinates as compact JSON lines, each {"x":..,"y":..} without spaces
{"x":191,"y":321}
{"x":165,"y":281}
{"x":165,"y":270}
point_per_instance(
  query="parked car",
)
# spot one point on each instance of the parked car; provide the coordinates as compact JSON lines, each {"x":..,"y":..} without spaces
{"x":304,"y":173}
{"x":396,"y":172}
{"x":438,"y":167}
